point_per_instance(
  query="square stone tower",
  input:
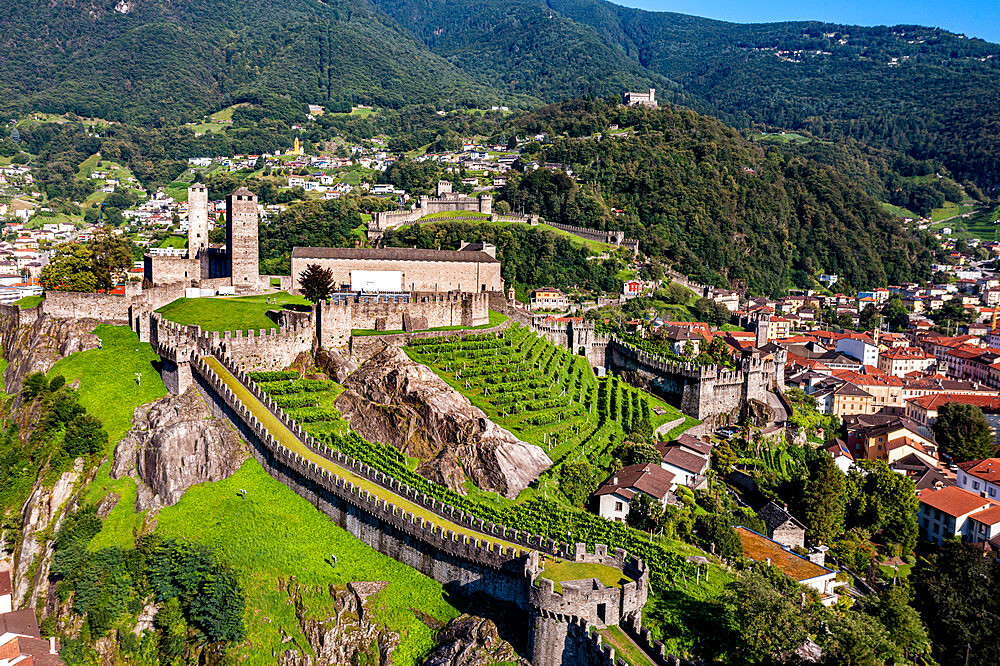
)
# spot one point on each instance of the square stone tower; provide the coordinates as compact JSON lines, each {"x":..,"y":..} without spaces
{"x":197,"y":219}
{"x":241,"y":238}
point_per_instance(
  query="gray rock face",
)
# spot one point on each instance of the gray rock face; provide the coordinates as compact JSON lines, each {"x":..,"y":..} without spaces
{"x":472,"y":641}
{"x":392,"y":399}
{"x":174,"y":444}
{"x":33,"y":342}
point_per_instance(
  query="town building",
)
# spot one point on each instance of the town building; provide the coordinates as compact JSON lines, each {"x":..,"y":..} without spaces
{"x":613,"y":497}
{"x":804,"y":571}
{"x":954,"y":512}
{"x":548,"y":299}
{"x":21,"y":642}
{"x":782,"y":526}
{"x":981,"y":477}
{"x":901,"y":361}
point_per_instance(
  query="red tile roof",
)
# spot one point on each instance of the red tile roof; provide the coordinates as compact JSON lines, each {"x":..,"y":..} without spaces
{"x":990,"y":516}
{"x":954,"y":501}
{"x":934,"y":401}
{"x":987,"y":469}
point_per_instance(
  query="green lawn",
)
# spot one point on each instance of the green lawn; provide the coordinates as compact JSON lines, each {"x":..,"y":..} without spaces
{"x":783,"y":137}
{"x":223,"y":313}
{"x":274,"y":535}
{"x":174,"y":241}
{"x":29,"y":302}
{"x":899,"y":211}
{"x":495,"y":320}
{"x":558,"y":571}
{"x":108,"y":387}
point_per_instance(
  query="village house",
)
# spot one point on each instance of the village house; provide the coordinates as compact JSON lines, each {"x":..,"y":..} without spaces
{"x":782,"y":526}
{"x":21,"y":642}
{"x":888,"y":438}
{"x":901,"y":361}
{"x":800,"y":569}
{"x":548,"y":299}
{"x":613,"y":497}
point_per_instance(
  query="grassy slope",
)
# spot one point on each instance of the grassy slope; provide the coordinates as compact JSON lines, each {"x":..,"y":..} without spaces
{"x":228,"y":314}
{"x":275,"y":534}
{"x":272,"y":534}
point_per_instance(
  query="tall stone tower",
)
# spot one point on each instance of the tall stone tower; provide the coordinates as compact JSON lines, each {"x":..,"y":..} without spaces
{"x":241,"y":238}
{"x":197,"y":219}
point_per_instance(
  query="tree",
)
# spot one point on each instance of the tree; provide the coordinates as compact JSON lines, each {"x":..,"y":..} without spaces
{"x":576,"y":481}
{"x":823,"y":500}
{"x":958,"y":595}
{"x":882,"y":500}
{"x":644,"y":513}
{"x":34,"y":385}
{"x":723,"y":458}
{"x":110,"y":259}
{"x":891,"y":607}
{"x":760,"y":623}
{"x":870,"y":318}
{"x":69,"y":270}
{"x":85,"y":435}
{"x":963,"y":433}
{"x":895,"y":314}
{"x":856,"y":639}
{"x":501,"y":208}
{"x":715,"y":528}
{"x":316,"y":282}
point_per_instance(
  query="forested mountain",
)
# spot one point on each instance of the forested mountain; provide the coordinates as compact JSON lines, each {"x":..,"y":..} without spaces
{"x":155,"y":61}
{"x":925,"y":91}
{"x":726,"y":209}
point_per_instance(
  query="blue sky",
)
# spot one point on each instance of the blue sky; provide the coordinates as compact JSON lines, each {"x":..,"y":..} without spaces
{"x":974,"y":18}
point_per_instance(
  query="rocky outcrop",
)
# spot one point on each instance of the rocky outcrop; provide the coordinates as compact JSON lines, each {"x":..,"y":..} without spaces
{"x":41,"y":515}
{"x":392,"y":399}
{"x":472,"y":641}
{"x":349,"y":636}
{"x":174,"y":444}
{"x":337,"y":366}
{"x":33,"y":341}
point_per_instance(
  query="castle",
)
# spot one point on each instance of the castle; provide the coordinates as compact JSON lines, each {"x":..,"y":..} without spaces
{"x":641,"y":98}
{"x":445,"y":201}
{"x":237,"y":265}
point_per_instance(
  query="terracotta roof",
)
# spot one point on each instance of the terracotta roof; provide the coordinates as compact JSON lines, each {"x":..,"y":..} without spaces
{"x":686,"y":460}
{"x":990,"y":516}
{"x":391,"y":254}
{"x":650,"y":478}
{"x":906,"y":353}
{"x":987,"y":469}
{"x":759,"y":548}
{"x":934,"y":401}
{"x":20,"y":622}
{"x":954,"y":501}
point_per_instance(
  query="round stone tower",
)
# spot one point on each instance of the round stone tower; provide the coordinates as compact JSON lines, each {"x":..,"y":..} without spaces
{"x":561,"y":611}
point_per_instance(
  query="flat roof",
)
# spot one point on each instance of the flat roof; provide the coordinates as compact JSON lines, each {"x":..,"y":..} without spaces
{"x":392,"y":254}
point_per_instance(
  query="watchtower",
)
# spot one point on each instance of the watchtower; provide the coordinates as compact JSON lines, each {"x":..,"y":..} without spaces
{"x":197,"y":219}
{"x":242,"y":252}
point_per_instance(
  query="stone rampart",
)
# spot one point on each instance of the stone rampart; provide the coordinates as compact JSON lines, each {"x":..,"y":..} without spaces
{"x":82,"y":305}
{"x":363,"y":347}
{"x":609,"y":237}
{"x":418,"y":311}
{"x":264,"y":349}
{"x":463,"y":564}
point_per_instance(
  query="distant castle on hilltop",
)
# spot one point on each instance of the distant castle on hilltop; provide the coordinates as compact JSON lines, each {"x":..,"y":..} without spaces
{"x":641,"y":98}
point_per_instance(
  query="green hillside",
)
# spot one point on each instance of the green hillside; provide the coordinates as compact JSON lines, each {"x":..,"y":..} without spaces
{"x":163,"y":61}
{"x":921,"y":90}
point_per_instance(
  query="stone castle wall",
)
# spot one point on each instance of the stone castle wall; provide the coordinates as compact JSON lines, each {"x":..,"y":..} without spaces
{"x":610,"y":237}
{"x":163,"y":270}
{"x":252,"y":351}
{"x":464,"y":565}
{"x":337,"y":319}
